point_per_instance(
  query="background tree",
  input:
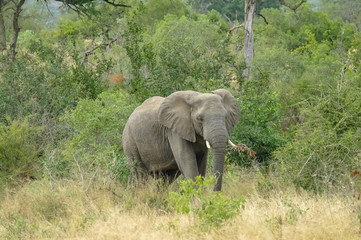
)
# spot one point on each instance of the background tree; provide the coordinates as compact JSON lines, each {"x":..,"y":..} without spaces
{"x":249,"y":11}
{"x":232,"y":10}
{"x":348,"y":10}
{"x":16,"y":29}
{"x":250,"y":7}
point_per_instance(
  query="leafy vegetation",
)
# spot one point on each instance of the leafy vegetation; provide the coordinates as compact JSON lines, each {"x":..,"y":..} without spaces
{"x":96,"y":142}
{"x":211,"y":208}
{"x":75,"y":77}
{"x":19,"y":152}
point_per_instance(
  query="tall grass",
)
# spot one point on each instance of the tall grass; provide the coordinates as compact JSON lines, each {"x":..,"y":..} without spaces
{"x":63,"y":210}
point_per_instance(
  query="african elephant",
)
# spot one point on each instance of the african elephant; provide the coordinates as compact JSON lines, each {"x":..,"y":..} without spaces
{"x":169,"y":136}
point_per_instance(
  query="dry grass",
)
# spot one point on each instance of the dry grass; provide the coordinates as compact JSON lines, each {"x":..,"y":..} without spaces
{"x":44,"y":210}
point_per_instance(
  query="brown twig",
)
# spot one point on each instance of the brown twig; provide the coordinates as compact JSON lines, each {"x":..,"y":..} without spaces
{"x":241,"y":147}
{"x":236,"y":27}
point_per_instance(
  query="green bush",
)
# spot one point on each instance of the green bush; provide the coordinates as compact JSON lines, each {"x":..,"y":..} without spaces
{"x":326,"y":147}
{"x":45,"y":85}
{"x":259,"y":124}
{"x":212,"y":208}
{"x":19,"y":152}
{"x":155,"y":10}
{"x":96,"y":143}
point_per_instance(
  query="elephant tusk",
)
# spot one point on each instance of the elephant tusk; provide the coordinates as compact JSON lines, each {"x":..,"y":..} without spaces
{"x":231,"y":143}
{"x":208,"y":145}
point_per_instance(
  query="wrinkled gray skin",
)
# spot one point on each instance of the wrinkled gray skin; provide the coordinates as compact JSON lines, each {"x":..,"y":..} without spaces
{"x":167,"y":136}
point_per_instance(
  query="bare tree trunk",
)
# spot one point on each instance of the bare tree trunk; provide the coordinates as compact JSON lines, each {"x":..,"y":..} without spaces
{"x":2,"y":30}
{"x":249,"y":10}
{"x":16,"y":30}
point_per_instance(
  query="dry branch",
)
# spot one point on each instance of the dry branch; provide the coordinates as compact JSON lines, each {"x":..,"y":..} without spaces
{"x":241,"y":147}
{"x":91,"y":51}
{"x":235,"y":27}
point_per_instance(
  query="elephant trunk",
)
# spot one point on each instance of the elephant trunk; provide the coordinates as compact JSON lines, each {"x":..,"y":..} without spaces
{"x":218,"y":139}
{"x":218,"y":165}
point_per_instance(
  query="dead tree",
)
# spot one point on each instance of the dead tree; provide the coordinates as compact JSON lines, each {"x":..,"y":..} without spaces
{"x":249,"y":10}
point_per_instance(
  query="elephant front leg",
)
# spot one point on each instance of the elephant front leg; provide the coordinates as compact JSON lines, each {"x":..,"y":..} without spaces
{"x":184,"y":156}
{"x":202,"y":163}
{"x":138,"y":173}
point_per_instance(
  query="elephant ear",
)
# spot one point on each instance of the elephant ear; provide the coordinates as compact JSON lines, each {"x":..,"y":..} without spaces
{"x":232,"y":107}
{"x":175,"y":113}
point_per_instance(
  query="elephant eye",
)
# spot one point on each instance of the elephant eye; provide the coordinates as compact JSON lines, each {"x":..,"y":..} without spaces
{"x":199,"y":118}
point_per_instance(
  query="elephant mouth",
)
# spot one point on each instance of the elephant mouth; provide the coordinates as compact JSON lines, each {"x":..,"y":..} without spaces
{"x":229,"y":142}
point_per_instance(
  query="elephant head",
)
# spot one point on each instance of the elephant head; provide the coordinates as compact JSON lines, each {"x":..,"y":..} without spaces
{"x":208,"y":115}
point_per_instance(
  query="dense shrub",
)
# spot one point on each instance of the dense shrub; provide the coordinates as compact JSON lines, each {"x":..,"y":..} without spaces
{"x":32,"y":85}
{"x":326,"y":147}
{"x":96,"y":143}
{"x":20,"y":150}
{"x":312,"y":69}
{"x":211,"y":208}
{"x":260,"y":124}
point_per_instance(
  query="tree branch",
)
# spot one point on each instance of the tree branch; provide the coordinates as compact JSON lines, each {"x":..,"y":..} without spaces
{"x":236,"y":27}
{"x":116,"y":4}
{"x":265,"y":20}
{"x":293,"y":8}
{"x":76,"y":3}
{"x":91,"y":51}
{"x":77,"y":10}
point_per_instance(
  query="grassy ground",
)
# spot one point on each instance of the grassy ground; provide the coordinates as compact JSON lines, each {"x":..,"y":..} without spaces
{"x":64,"y":210}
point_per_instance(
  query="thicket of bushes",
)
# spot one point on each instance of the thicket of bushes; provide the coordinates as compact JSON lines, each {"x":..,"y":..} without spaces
{"x":61,"y":117}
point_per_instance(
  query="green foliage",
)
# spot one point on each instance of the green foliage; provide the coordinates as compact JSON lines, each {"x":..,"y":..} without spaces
{"x":186,"y":59}
{"x":32,"y":85}
{"x":212,"y":208}
{"x":348,"y":10}
{"x":258,"y":127}
{"x":98,"y":125}
{"x":68,"y":28}
{"x":288,"y":30}
{"x":156,"y":10}
{"x":233,"y":9}
{"x":139,"y":52}
{"x":176,"y":56}
{"x":326,"y":147}
{"x":19,"y":152}
{"x":309,"y":67}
